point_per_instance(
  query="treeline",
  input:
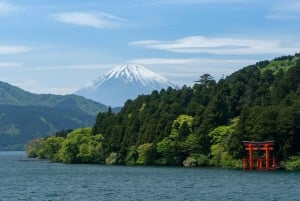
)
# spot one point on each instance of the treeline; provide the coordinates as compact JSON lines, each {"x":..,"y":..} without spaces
{"x":193,"y":126}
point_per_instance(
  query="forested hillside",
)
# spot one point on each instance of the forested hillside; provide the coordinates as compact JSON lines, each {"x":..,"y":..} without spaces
{"x":11,"y":95}
{"x":199,"y":125}
{"x":25,"y":116}
{"x":20,"y":124}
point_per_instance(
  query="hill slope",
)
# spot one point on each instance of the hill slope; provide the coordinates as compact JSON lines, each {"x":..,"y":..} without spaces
{"x":11,"y":95}
{"x":24,"y":115}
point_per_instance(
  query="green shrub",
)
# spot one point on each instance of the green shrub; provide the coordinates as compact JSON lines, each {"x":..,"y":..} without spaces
{"x":292,"y":164}
{"x":146,"y":154}
{"x":202,"y":160}
{"x":131,"y":156}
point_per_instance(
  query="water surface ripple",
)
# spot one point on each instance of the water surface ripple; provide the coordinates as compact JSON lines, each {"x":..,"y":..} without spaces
{"x":52,"y":181}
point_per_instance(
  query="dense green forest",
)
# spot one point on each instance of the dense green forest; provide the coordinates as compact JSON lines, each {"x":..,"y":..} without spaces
{"x":193,"y":126}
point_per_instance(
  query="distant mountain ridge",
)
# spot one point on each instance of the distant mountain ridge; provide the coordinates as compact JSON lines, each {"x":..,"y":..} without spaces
{"x":24,"y":115}
{"x":124,"y":82}
{"x":11,"y":95}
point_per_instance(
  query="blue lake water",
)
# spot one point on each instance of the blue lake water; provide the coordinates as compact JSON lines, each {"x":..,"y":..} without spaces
{"x":52,"y":181}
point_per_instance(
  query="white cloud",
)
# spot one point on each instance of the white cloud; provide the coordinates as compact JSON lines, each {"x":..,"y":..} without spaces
{"x":56,"y":90}
{"x":149,"y":61}
{"x":9,"y":65}
{"x":96,"y":20}
{"x":152,"y":61}
{"x":13,"y":49}
{"x":188,"y":2}
{"x":6,"y":7}
{"x":74,"y":67}
{"x":27,"y":83}
{"x":289,"y":9}
{"x":220,"y":46}
{"x":185,"y":71}
{"x":36,"y":86}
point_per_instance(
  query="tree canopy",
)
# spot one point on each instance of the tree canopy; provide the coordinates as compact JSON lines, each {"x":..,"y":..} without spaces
{"x":199,"y":125}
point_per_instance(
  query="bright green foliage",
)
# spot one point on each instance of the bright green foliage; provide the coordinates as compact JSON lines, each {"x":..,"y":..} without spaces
{"x":90,"y":149}
{"x":50,"y":148}
{"x":33,"y":147}
{"x":179,"y":143}
{"x":131,"y":156}
{"x":221,"y":133}
{"x":216,"y":152}
{"x":281,"y":63}
{"x":70,"y":150}
{"x":221,"y":158}
{"x":146,"y":154}
{"x":79,"y":146}
{"x":168,"y":149}
{"x":183,"y":119}
{"x":190,"y":144}
{"x":293,"y":163}
{"x":220,"y":139}
{"x":181,"y":128}
{"x":85,"y":153}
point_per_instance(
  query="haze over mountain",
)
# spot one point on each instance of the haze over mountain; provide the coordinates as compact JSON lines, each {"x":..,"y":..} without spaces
{"x":24,"y":115}
{"x":124,"y":82}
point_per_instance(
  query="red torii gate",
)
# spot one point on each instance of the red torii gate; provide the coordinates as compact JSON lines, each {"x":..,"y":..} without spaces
{"x":256,"y":161}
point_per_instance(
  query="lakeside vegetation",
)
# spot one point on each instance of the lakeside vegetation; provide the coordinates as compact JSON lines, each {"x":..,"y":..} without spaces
{"x":201,"y":125}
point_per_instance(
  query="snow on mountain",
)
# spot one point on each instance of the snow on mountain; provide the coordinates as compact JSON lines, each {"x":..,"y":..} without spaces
{"x":123,"y":83}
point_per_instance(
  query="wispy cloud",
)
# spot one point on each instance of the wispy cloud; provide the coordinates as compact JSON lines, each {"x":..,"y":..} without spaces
{"x":9,"y":65}
{"x":6,"y":7}
{"x":153,"y":61}
{"x":73,"y":67}
{"x":285,"y":10}
{"x":188,"y":2}
{"x":91,"y":19}
{"x":185,"y":71}
{"x":27,"y":83}
{"x":220,"y":46}
{"x":13,"y":49}
{"x":40,"y":88}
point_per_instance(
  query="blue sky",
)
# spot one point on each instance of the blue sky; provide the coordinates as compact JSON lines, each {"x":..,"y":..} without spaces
{"x":60,"y":46}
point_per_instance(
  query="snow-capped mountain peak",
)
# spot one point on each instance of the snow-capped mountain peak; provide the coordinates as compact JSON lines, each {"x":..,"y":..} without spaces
{"x":133,"y":73}
{"x":124,"y":82}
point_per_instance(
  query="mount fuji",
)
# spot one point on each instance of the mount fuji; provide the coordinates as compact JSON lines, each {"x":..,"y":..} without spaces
{"x":124,"y":82}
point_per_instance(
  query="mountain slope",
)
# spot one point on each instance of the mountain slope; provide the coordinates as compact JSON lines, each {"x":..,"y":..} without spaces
{"x":11,"y":95}
{"x":20,"y":124}
{"x":124,"y":82}
{"x":24,"y":115}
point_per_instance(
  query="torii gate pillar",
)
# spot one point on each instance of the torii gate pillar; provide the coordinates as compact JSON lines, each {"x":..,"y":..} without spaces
{"x":258,"y":162}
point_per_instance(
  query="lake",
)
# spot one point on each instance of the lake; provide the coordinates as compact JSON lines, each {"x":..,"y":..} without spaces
{"x":52,"y":181}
